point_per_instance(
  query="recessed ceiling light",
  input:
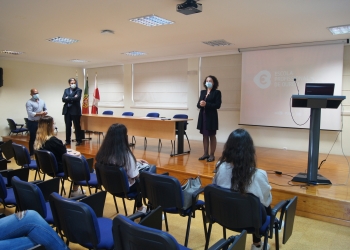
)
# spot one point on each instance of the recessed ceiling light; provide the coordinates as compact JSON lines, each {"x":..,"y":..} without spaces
{"x":339,"y":30}
{"x":134,"y":53}
{"x":62,"y":40}
{"x":220,"y":42}
{"x":151,"y":20}
{"x":78,"y":60}
{"x":11,"y":52}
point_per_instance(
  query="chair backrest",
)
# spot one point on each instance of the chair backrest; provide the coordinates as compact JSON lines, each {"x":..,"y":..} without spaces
{"x":21,"y":154}
{"x":12,"y":124}
{"x":3,"y":189}
{"x":153,"y":114}
{"x":161,"y":190}
{"x":232,"y":210}
{"x":114,"y":179}
{"x":77,"y":167}
{"x":181,"y":116}
{"x":26,"y":122}
{"x":7,"y":149}
{"x":128,"y":113}
{"x":76,"y":219}
{"x":130,"y":235}
{"x":46,"y":162}
{"x":29,"y":196}
{"x":107,"y":112}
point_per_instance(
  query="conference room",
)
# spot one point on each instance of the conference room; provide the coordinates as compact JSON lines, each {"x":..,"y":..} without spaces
{"x":266,"y":54}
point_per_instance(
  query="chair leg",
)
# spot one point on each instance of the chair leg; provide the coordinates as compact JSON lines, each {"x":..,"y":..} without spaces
{"x":204,"y":223}
{"x":145,"y":143}
{"x":62,"y":187}
{"x":188,"y":141}
{"x":133,"y":140}
{"x":166,"y":222}
{"x":115,"y":203}
{"x":208,"y":237}
{"x":160,"y":145}
{"x":277,"y":243}
{"x":70,"y":189}
{"x":224,"y":232}
{"x":126,"y":212}
{"x":188,"y":230}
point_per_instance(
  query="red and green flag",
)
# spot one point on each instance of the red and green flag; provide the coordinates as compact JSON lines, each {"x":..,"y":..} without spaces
{"x":86,"y":98}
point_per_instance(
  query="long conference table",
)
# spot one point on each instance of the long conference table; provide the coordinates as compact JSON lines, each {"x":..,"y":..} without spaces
{"x":162,"y":128}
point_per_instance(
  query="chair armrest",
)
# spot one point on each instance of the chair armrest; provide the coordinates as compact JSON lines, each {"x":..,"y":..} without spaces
{"x":136,"y":216}
{"x":222,"y":243}
{"x":96,"y":202}
{"x":195,"y":195}
{"x":49,"y":186}
{"x":20,"y":125}
{"x":277,"y":208}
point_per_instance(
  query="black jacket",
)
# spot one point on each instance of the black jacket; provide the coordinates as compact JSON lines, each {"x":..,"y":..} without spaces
{"x":213,"y":103}
{"x":75,"y":108}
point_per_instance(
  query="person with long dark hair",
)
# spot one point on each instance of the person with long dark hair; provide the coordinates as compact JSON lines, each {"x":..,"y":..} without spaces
{"x":208,"y":122}
{"x":236,"y":170}
{"x":115,"y":151}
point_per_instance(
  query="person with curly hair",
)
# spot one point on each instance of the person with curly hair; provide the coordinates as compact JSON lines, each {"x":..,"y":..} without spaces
{"x":236,"y":170}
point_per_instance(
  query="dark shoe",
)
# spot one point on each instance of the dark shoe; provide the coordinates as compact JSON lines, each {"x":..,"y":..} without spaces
{"x":203,"y":157}
{"x":78,"y":143}
{"x":211,"y":158}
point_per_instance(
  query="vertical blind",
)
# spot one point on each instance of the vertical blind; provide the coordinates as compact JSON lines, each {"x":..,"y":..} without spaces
{"x":227,"y":69}
{"x":110,"y":85}
{"x":160,"y":84}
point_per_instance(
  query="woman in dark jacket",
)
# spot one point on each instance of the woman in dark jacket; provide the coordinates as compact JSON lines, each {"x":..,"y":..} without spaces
{"x":209,"y":102}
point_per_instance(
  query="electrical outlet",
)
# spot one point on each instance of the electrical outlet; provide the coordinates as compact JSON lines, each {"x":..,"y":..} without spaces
{"x":284,"y":148}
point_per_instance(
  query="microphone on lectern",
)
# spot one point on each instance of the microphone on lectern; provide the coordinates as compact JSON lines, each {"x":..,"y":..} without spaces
{"x":295,"y":80}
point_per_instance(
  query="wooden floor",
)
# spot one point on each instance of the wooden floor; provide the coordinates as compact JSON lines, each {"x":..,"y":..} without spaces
{"x":329,"y":203}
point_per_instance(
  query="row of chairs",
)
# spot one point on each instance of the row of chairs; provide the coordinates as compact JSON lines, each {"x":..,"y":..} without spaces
{"x":82,"y":221}
{"x":16,"y":128}
{"x":156,"y":115}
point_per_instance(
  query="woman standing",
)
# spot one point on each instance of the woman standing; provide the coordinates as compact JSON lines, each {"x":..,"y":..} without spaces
{"x":236,"y":170}
{"x":209,"y":102}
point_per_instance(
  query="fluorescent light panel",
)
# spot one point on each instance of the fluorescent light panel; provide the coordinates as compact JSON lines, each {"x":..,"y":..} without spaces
{"x":78,"y":60}
{"x":339,"y":30}
{"x":134,"y":53}
{"x":215,"y":43}
{"x":11,"y":52}
{"x":151,"y":20}
{"x":62,"y":40}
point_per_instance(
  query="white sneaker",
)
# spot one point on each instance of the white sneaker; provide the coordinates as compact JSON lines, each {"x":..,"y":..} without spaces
{"x":143,"y":210}
{"x":253,"y":247}
{"x":77,"y":193}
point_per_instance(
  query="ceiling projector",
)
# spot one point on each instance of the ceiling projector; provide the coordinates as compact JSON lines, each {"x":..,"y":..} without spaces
{"x":189,"y":7}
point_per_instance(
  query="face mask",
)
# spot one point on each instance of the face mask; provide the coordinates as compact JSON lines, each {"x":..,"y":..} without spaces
{"x":73,"y":86}
{"x":36,"y":96}
{"x":209,"y":85}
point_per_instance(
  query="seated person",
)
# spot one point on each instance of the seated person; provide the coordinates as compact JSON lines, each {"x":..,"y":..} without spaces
{"x":27,"y":229}
{"x":115,"y":151}
{"x":236,"y":170}
{"x":45,"y":140}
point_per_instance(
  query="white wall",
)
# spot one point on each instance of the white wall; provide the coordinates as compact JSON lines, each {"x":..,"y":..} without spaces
{"x":20,"y":77}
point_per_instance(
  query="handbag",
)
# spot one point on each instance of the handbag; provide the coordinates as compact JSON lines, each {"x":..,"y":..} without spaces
{"x":192,"y":185}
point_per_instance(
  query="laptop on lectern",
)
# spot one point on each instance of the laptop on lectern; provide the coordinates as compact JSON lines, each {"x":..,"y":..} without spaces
{"x":319,"y":88}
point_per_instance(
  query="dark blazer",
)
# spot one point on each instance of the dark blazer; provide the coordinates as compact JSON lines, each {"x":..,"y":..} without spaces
{"x":211,"y":109}
{"x":75,"y":108}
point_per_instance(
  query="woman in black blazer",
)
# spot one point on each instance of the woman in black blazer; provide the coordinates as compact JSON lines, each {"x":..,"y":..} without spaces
{"x":209,"y":102}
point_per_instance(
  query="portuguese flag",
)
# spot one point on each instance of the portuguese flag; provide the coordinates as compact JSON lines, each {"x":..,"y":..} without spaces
{"x":86,"y":98}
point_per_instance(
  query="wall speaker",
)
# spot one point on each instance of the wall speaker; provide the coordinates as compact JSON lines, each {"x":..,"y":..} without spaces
{"x":1,"y":79}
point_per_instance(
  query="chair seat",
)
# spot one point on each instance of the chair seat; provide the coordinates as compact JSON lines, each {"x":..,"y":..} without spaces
{"x":106,"y":240}
{"x":174,"y":210}
{"x":32,"y":164}
{"x":92,"y":182}
{"x":10,"y":199}
{"x":19,"y":130}
{"x":49,"y":216}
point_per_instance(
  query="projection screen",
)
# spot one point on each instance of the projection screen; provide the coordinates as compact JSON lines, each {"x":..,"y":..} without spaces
{"x":268,"y":84}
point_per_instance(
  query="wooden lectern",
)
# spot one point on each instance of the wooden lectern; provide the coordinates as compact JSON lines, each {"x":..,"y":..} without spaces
{"x":316,"y":103}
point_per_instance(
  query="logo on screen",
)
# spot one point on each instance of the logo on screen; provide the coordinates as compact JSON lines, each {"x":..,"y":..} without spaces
{"x":263,"y":79}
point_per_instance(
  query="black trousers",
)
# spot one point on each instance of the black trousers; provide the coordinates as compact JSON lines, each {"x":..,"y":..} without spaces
{"x":68,"y":119}
{"x":32,"y":127}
